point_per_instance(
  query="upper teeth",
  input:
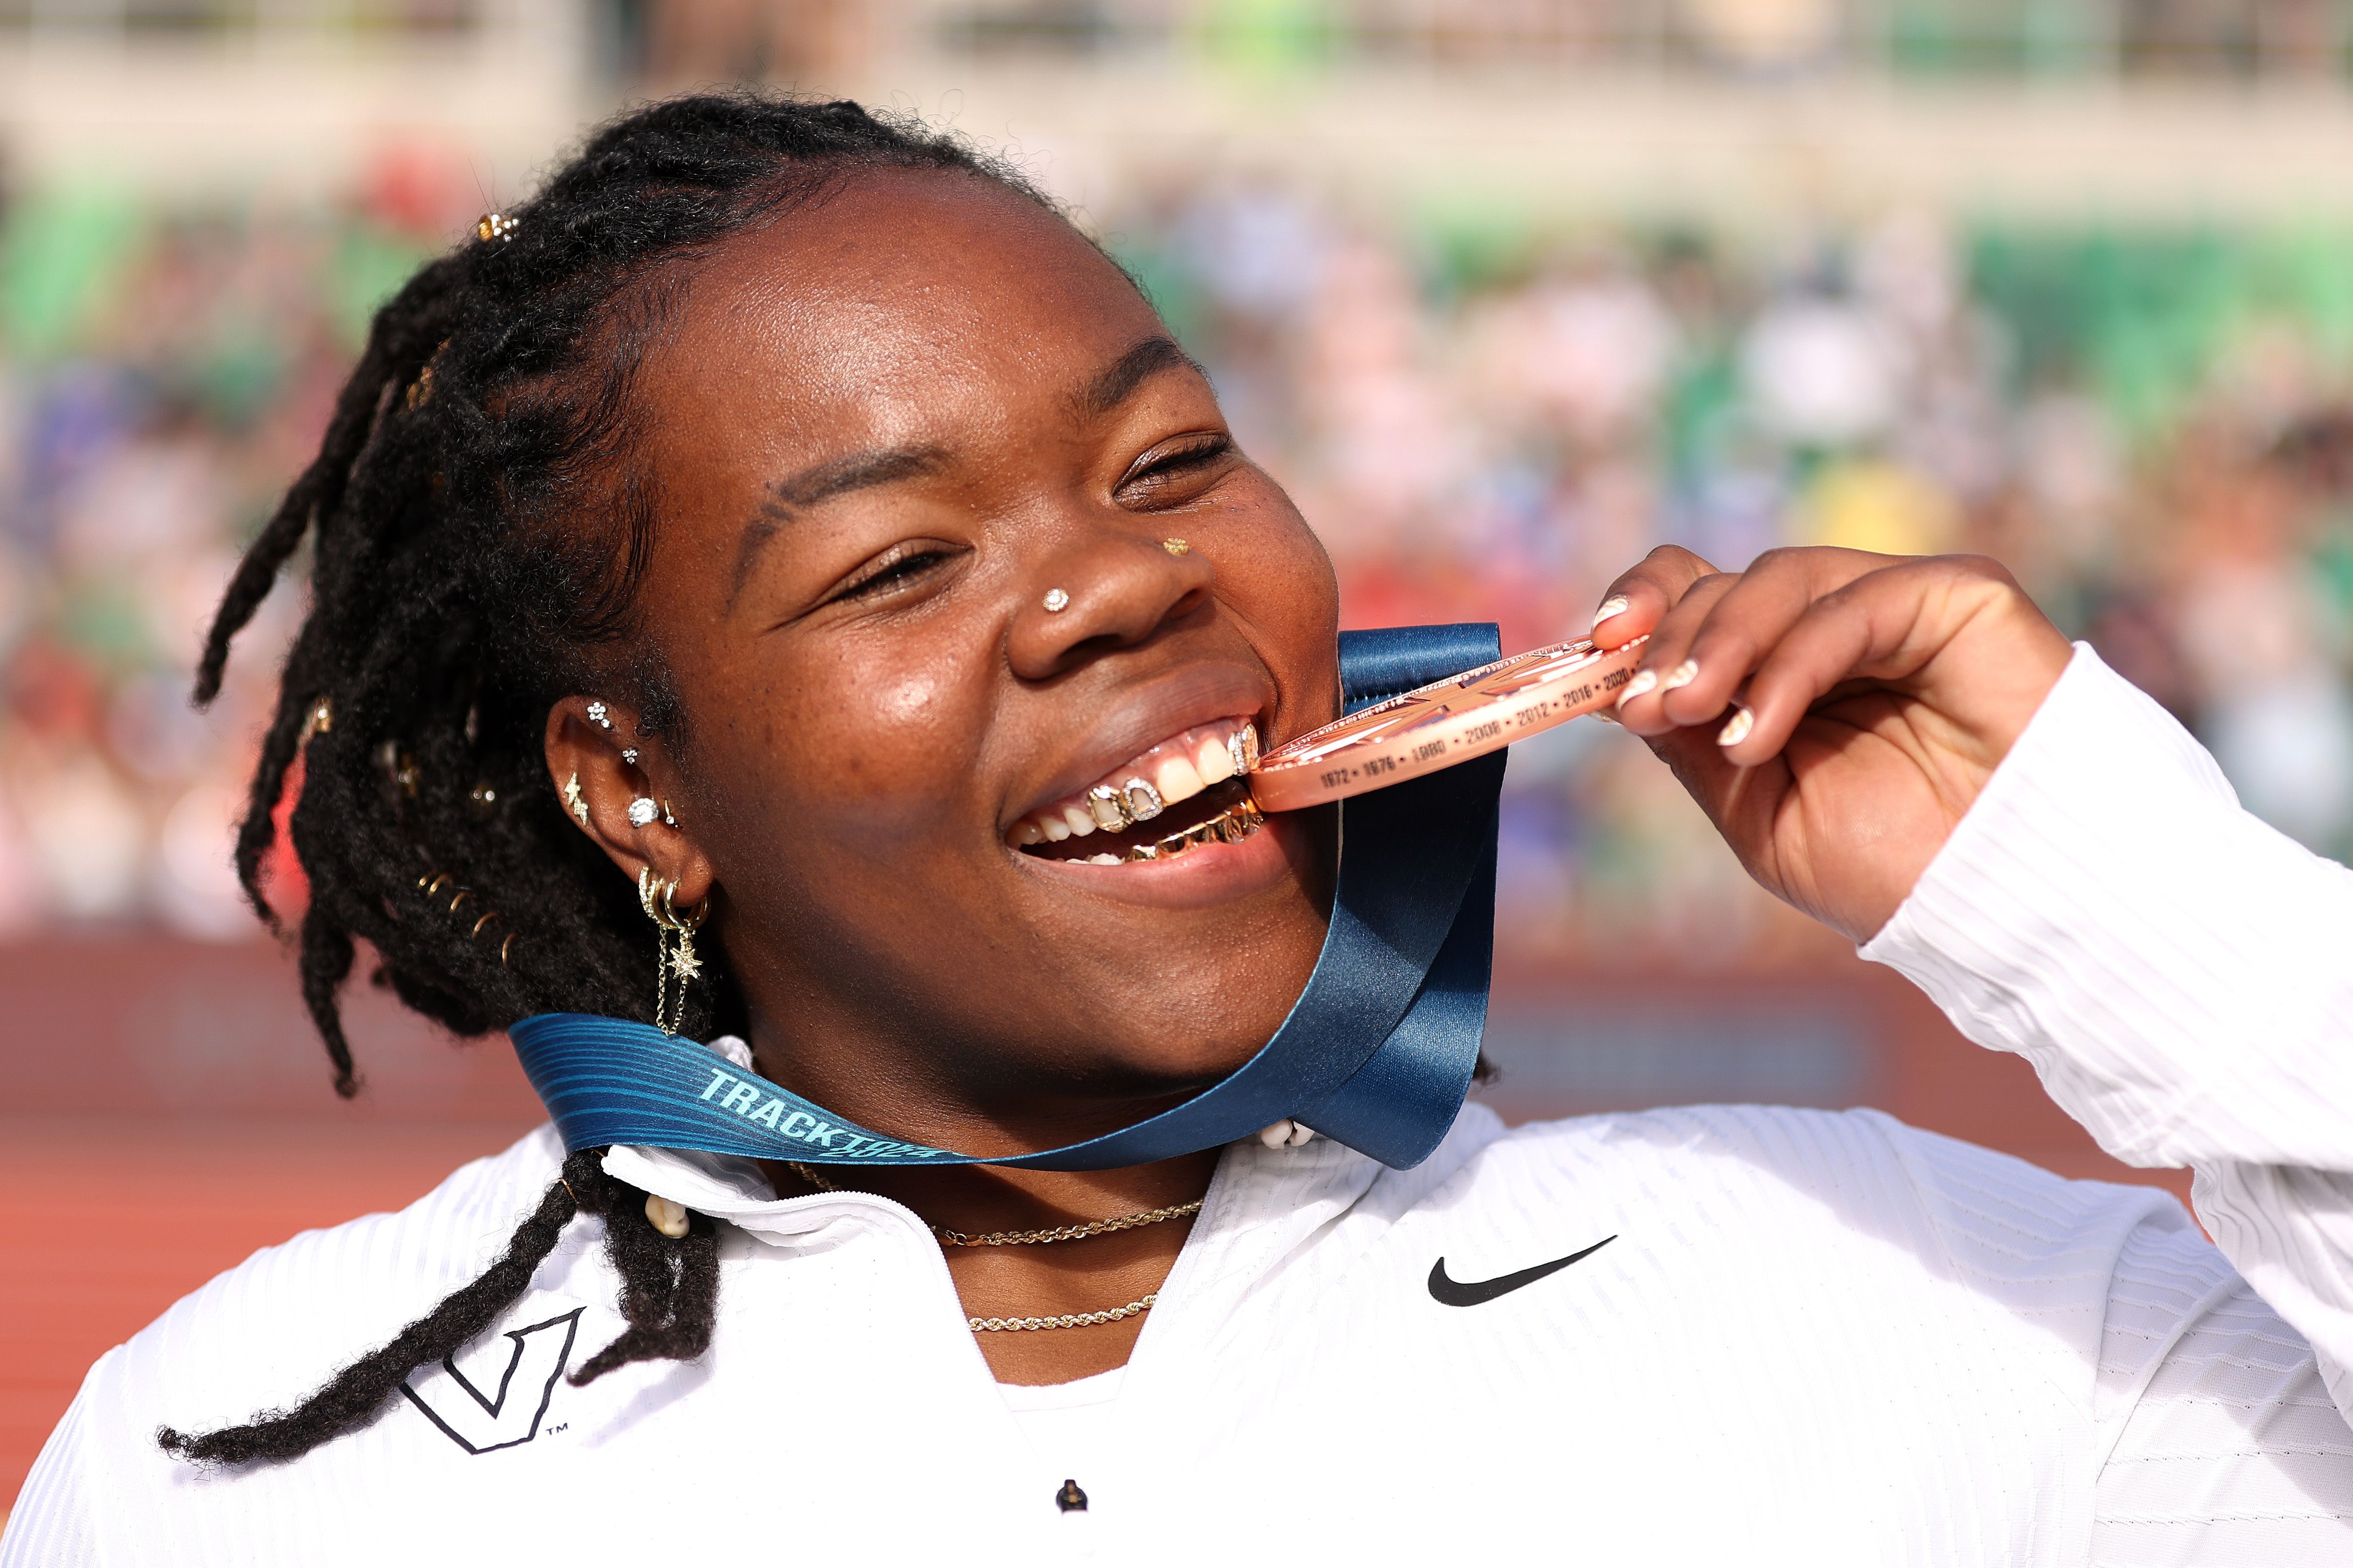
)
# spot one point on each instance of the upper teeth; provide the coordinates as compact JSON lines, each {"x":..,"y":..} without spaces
{"x":1176,"y":769}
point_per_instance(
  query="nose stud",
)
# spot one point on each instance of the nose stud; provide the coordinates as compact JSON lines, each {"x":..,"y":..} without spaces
{"x":1176,"y":547}
{"x":1056,"y":601}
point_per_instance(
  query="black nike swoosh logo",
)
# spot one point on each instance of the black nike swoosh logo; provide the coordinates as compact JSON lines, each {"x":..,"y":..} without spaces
{"x":1448,"y":1292}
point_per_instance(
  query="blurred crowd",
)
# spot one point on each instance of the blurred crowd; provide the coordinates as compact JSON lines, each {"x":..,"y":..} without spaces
{"x":1484,"y":415}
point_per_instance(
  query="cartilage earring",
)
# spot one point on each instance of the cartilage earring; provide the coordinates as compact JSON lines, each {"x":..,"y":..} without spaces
{"x":573,"y":803}
{"x":629,"y":756}
{"x":599,"y":715}
{"x":643,"y":811}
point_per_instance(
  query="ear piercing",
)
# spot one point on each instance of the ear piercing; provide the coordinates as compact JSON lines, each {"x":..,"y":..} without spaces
{"x":598,"y":715}
{"x":573,"y":803}
{"x":643,"y":812}
{"x":675,"y":962}
{"x":1056,"y":601}
{"x":629,"y":756}
{"x":1176,"y":547}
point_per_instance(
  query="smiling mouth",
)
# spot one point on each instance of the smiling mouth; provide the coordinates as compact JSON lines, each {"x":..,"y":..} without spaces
{"x":1185,"y":791}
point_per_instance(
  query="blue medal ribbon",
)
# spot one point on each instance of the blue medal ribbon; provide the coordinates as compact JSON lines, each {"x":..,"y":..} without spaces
{"x":1377,"y":1053}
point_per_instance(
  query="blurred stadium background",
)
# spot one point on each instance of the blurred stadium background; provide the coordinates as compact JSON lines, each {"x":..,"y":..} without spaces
{"x":1506,"y":290}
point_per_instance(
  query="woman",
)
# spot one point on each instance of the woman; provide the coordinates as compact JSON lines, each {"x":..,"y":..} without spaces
{"x":788,"y":516}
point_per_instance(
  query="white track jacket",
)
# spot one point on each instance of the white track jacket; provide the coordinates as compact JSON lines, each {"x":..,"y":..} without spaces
{"x":1817,"y":1338}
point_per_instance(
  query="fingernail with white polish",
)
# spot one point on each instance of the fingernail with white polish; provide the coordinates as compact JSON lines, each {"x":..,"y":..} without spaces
{"x":1683,"y":674}
{"x":1735,"y":728}
{"x":1645,"y":680}
{"x":1609,"y":608}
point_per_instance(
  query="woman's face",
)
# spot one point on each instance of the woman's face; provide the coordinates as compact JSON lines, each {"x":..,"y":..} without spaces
{"x":883,"y":431}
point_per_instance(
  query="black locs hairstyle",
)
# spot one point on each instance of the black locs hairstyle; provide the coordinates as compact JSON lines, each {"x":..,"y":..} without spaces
{"x":481,"y":524}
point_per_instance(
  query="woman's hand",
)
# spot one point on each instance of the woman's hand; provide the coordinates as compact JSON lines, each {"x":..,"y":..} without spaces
{"x":1835,"y":712}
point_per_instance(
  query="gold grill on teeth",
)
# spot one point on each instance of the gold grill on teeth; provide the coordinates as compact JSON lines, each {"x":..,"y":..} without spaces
{"x":1123,"y":805}
{"x":1230,"y":827}
{"x":1174,"y":770}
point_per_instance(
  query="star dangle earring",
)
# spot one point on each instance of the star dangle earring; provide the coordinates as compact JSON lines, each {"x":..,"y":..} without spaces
{"x":675,"y":960}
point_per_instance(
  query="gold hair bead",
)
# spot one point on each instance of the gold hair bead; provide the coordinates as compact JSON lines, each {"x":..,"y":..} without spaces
{"x":420,"y":391}
{"x":495,"y":226}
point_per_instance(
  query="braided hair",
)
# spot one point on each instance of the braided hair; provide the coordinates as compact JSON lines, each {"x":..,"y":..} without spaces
{"x":481,"y":520}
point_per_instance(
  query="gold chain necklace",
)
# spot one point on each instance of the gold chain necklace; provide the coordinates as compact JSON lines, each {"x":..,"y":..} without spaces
{"x":1026,"y":1237}
{"x":1033,"y":1238}
{"x":1067,"y":1320}
{"x":1066,"y":1232}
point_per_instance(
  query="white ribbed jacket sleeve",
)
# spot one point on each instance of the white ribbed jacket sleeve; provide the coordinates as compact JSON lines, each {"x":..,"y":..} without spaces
{"x":54,"y":1521}
{"x":2180,"y":973}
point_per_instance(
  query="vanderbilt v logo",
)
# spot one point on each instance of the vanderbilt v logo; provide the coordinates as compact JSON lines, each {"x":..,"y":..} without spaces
{"x":510,"y":1413}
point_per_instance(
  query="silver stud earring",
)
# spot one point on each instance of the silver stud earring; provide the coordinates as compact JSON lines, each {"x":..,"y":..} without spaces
{"x":597,"y":715}
{"x":629,"y":756}
{"x":642,"y":812}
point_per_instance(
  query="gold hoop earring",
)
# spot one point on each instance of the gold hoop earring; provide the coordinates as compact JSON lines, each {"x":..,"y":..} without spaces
{"x":675,"y":960}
